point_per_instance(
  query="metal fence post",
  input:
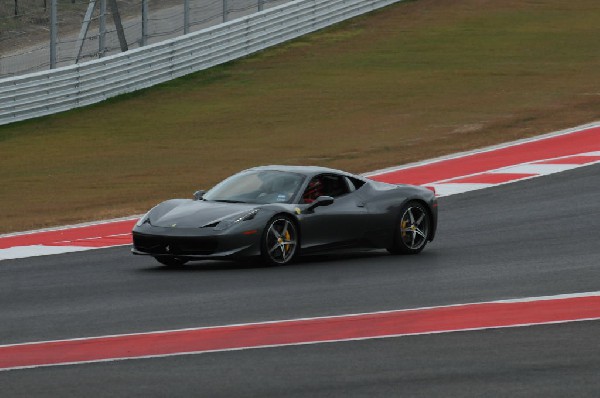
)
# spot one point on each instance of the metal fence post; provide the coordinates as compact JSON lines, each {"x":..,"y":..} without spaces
{"x":114,"y":9}
{"x":186,"y":17}
{"x":225,"y":8}
{"x":102,"y":33}
{"x":144,"y":22}
{"x":53,"y":33}
{"x":85,"y":26}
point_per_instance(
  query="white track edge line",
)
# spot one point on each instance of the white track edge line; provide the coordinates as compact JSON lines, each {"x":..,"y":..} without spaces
{"x":449,"y":180}
{"x":517,"y":325}
{"x":491,"y":148}
{"x":74,"y":226}
{"x":563,"y":296}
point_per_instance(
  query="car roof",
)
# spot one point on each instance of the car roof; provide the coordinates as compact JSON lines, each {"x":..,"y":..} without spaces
{"x":306,"y":170}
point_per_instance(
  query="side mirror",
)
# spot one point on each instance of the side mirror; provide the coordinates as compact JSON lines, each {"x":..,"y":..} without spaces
{"x":320,"y":201}
{"x":199,"y":194}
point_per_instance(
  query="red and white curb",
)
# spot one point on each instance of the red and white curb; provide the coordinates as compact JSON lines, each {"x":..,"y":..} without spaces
{"x":352,"y":327}
{"x":510,"y":174}
{"x":67,"y":239}
{"x":503,"y":164}
{"x":488,"y":167}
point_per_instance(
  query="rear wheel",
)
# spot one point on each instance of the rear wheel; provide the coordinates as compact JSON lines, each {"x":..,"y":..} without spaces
{"x":279,"y":242}
{"x":170,"y":261}
{"x":412,"y":230}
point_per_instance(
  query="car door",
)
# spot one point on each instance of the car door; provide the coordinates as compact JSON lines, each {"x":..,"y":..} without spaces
{"x":342,"y":223}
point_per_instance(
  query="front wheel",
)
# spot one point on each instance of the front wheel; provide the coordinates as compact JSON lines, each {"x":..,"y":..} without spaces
{"x":279,"y":242}
{"x":412,"y":230}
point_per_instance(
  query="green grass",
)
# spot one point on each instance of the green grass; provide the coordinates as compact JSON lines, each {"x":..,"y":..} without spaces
{"x":412,"y":81}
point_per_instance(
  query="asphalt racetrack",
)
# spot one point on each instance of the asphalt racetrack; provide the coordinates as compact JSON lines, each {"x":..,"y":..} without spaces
{"x":532,"y":238}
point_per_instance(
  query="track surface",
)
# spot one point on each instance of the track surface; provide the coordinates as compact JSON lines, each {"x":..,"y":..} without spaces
{"x":531,"y":238}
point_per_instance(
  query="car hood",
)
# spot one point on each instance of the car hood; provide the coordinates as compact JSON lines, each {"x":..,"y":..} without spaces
{"x":196,"y":214}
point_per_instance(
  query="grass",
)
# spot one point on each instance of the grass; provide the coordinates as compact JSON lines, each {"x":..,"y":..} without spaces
{"x":416,"y":80}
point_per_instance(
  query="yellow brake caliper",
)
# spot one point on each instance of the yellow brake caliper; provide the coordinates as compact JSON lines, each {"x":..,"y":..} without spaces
{"x":287,"y":239}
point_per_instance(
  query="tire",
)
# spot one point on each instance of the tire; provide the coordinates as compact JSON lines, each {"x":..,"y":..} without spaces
{"x":170,"y":261}
{"x":412,"y":230}
{"x":279,"y":242}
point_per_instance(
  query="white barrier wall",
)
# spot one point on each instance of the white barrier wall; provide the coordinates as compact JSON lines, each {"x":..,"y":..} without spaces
{"x":43,"y":93}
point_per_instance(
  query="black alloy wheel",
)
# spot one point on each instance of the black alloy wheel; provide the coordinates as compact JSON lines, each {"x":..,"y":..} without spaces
{"x":279,"y":242}
{"x":412,"y":230}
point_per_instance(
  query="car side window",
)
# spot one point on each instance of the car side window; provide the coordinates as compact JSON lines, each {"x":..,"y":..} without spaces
{"x":325,"y":185}
{"x":354,"y":183}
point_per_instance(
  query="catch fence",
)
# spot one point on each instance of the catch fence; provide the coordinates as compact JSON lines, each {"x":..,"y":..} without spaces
{"x":56,"y":90}
{"x":89,"y":29}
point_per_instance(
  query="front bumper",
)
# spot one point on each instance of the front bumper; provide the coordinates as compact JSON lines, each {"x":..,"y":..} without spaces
{"x":194,"y":243}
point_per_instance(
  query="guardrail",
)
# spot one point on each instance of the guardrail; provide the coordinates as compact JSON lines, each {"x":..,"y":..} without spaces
{"x":43,"y":93}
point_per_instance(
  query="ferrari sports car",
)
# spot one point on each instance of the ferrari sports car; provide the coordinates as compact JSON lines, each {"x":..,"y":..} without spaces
{"x":279,"y":212}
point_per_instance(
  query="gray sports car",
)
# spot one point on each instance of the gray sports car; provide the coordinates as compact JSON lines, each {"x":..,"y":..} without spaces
{"x":279,"y":212}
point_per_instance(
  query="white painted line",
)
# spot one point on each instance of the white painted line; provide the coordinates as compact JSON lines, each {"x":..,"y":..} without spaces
{"x":37,"y":250}
{"x":73,"y":226}
{"x":304,"y":343}
{"x":483,"y":150}
{"x":325,"y":317}
{"x":540,"y":169}
{"x":447,"y":189}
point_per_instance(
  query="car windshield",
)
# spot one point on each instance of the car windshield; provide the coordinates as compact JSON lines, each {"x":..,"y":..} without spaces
{"x":257,"y":186}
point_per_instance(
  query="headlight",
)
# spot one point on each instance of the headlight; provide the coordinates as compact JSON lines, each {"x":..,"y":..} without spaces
{"x":144,"y":219}
{"x":229,"y":222}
